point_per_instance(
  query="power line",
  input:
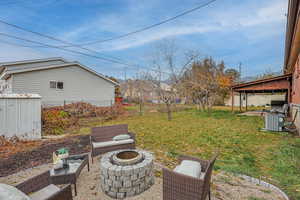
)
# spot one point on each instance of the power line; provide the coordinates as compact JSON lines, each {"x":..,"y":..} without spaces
{"x":145,"y":28}
{"x":111,"y":59}
{"x":68,"y":50}
{"x":52,"y":46}
{"x":12,"y":43}
{"x":69,"y":44}
{"x":52,"y":38}
{"x":8,"y":3}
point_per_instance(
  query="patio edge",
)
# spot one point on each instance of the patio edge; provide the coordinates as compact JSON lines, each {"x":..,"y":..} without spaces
{"x":263,"y":183}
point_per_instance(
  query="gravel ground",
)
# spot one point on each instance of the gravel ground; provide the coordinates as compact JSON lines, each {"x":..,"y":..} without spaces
{"x":40,"y":155}
{"x":225,"y":186}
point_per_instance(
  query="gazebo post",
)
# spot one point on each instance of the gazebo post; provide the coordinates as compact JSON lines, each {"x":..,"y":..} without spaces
{"x":240,"y":101}
{"x":232,"y":100}
{"x":289,"y":95}
{"x":246,"y":96}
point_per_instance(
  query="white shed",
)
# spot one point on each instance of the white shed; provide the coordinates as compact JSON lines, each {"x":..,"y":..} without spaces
{"x":20,"y":115}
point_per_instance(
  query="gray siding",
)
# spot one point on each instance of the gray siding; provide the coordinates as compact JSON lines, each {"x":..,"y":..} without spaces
{"x":79,"y":85}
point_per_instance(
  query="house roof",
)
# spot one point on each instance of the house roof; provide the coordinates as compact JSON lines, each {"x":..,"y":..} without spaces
{"x":32,"y":61}
{"x":8,"y":68}
{"x":26,"y":63}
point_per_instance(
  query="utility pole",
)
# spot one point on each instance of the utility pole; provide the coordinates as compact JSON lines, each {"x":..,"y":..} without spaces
{"x":240,"y":72}
{"x":125,"y":77}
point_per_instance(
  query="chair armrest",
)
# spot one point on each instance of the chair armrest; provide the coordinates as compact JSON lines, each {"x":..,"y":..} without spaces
{"x":132,"y":135}
{"x":35,"y":183}
{"x":181,"y":186}
{"x":91,"y":140}
{"x":204,"y":163}
{"x":65,"y":193}
{"x":78,"y":156}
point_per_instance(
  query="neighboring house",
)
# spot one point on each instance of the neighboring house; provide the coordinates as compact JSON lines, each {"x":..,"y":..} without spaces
{"x":256,"y":99}
{"x":57,"y":81}
{"x":292,"y":53}
{"x":132,"y":90}
{"x":165,"y":86}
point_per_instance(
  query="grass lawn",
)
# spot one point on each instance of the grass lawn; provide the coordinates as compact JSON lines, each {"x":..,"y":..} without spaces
{"x":274,"y":157}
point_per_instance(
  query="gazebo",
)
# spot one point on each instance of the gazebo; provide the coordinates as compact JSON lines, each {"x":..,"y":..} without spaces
{"x":276,"y":84}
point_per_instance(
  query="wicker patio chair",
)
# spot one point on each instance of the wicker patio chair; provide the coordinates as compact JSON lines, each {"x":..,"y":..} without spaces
{"x":40,"y":188}
{"x":105,"y":134}
{"x":177,"y":186}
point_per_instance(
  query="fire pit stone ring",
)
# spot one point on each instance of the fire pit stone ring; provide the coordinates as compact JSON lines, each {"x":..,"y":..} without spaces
{"x":126,"y":173}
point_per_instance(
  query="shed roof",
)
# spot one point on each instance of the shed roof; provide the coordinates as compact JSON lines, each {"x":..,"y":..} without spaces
{"x":20,"y":96}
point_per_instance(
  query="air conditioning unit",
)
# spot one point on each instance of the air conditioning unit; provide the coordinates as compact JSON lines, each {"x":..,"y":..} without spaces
{"x":274,"y":121}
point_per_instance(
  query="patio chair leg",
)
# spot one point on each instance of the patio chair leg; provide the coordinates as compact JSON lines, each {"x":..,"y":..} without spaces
{"x":209,"y":197}
{"x":75,"y":189}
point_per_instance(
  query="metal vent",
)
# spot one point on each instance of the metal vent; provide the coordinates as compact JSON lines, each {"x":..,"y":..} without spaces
{"x":274,"y":121}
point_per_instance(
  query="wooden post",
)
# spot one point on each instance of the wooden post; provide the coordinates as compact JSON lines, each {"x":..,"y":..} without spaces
{"x":246,"y":96}
{"x":240,"y":101}
{"x":232,"y":99}
{"x":289,"y":95}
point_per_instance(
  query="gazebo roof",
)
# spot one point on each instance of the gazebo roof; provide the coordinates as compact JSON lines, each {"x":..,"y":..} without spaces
{"x":274,"y":84}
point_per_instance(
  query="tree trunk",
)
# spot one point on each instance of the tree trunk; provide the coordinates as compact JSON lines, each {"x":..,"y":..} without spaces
{"x":202,"y":104}
{"x":169,"y":111}
{"x":141,"y":107}
{"x":209,"y":109}
{"x":208,"y":105}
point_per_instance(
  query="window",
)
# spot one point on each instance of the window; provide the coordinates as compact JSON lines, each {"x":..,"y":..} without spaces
{"x":57,"y":85}
{"x":53,"y":84}
{"x":60,"y":85}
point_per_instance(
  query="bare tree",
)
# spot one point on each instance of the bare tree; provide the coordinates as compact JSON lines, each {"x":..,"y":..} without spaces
{"x":165,"y":60}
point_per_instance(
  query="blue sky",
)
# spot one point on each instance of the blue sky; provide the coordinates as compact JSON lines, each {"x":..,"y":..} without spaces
{"x":249,"y":31}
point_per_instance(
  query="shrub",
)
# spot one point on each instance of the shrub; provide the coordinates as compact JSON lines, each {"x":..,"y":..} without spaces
{"x":56,"y":119}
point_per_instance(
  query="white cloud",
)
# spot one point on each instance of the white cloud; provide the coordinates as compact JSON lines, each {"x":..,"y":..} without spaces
{"x":157,"y":35}
{"x":273,"y":13}
{"x":236,"y":19}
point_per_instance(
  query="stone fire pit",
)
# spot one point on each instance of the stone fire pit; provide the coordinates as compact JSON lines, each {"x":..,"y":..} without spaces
{"x":126,"y":173}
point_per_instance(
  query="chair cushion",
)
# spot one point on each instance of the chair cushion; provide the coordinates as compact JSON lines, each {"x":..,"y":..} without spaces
{"x":8,"y":192}
{"x":121,"y":137}
{"x":44,"y":193}
{"x":189,"y":168}
{"x":112,"y":143}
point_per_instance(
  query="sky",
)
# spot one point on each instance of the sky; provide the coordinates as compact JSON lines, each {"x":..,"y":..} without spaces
{"x":250,"y":32}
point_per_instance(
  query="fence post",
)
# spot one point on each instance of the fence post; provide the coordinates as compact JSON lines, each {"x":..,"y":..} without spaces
{"x":111,"y":106}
